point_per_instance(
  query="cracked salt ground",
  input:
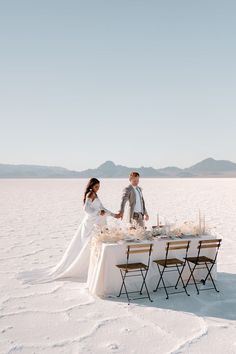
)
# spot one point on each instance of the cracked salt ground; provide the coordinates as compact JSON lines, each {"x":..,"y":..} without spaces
{"x":38,"y":219}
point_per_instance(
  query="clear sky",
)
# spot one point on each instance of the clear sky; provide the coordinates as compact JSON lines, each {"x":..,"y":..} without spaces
{"x":136,"y":82}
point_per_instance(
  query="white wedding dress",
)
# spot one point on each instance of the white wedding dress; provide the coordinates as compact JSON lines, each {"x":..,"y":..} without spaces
{"x":75,"y":261}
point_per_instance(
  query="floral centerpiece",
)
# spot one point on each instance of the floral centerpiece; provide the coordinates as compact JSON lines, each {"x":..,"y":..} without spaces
{"x":114,"y":234}
{"x":192,"y":228}
{"x":187,"y":228}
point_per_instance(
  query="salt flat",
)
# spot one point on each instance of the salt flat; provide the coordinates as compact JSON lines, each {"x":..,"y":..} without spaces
{"x":37,"y":221}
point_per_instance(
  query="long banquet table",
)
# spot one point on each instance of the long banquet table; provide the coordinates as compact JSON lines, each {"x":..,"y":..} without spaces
{"x":104,"y":278}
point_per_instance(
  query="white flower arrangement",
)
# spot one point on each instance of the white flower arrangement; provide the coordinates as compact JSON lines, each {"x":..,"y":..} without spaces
{"x":107,"y":234}
{"x":191,"y":228}
{"x":134,"y":232}
{"x":187,"y":228}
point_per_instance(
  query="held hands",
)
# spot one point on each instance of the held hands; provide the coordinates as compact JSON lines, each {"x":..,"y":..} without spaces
{"x":116,"y":216}
{"x":119,"y":215}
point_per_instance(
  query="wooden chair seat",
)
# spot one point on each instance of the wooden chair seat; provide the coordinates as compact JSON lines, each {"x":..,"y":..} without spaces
{"x":170,"y":261}
{"x":132,"y":266}
{"x":199,"y":260}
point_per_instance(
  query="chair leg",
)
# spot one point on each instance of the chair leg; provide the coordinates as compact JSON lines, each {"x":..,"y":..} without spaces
{"x":123,"y":285}
{"x":159,"y":279}
{"x":155,"y":290}
{"x":144,"y":284}
{"x":127,"y":293}
{"x":203,"y":281}
{"x":162,"y":280}
{"x":183,"y":266}
{"x":191,"y":275}
{"x":180,"y":277}
{"x":209,"y":271}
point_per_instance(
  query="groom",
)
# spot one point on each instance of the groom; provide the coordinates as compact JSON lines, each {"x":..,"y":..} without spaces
{"x":133,"y":194}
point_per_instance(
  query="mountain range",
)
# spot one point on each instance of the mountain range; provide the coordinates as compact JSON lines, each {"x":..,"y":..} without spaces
{"x":206,"y":168}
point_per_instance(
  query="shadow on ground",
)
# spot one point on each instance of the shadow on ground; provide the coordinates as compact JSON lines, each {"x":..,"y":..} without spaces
{"x":207,"y":303}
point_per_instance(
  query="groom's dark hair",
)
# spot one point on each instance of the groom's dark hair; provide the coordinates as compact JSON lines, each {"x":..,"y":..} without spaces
{"x":134,"y":174}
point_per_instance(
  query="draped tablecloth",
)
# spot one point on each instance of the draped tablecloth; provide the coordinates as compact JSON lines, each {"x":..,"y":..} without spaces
{"x":104,"y":277}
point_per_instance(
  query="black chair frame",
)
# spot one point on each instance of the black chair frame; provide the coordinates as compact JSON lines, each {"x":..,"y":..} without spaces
{"x":139,"y":270}
{"x":203,"y":262}
{"x":177,"y":266}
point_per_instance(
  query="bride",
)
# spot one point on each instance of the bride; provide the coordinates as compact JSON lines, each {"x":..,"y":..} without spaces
{"x":75,"y":261}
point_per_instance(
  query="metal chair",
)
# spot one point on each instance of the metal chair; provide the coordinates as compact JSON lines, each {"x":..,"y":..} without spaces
{"x":172,"y":265}
{"x":203,"y":262}
{"x":135,"y":270}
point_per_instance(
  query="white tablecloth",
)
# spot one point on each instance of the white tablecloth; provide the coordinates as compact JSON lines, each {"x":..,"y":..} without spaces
{"x":104,"y":277}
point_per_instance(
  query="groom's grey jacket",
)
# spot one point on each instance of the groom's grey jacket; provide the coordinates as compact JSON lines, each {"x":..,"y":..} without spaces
{"x":129,"y":195}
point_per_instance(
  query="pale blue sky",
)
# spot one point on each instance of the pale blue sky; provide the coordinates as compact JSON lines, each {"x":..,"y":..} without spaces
{"x":136,"y":82}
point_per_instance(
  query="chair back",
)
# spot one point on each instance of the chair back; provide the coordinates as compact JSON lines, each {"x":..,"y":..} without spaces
{"x":140,"y":248}
{"x":205,"y":244}
{"x":177,"y":245}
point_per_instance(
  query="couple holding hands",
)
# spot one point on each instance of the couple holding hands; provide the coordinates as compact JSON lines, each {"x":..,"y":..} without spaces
{"x":132,"y":194}
{"x":75,"y":260}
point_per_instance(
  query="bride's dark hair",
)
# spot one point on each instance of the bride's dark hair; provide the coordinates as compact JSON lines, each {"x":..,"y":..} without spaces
{"x":91,"y":183}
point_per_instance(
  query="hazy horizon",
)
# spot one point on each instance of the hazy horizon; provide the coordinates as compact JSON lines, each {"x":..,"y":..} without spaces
{"x":140,"y":166}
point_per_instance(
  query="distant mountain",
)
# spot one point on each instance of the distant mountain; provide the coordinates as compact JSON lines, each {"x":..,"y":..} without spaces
{"x":34,"y":171}
{"x":206,"y":168}
{"x":170,"y":171}
{"x":110,"y":170}
{"x":211,"y":167}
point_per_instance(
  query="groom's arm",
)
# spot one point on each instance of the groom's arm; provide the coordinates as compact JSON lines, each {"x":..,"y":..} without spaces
{"x":125,"y":197}
{"x":144,"y":208}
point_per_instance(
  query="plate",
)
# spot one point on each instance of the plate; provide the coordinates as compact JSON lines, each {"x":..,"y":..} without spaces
{"x":132,"y":241}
